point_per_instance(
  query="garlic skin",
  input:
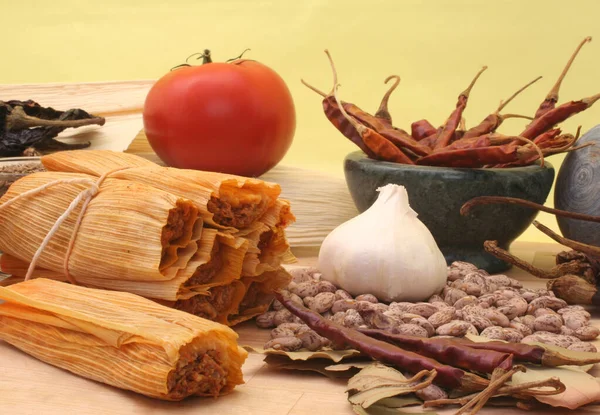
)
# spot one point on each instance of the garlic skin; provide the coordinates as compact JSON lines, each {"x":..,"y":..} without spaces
{"x":385,"y":251}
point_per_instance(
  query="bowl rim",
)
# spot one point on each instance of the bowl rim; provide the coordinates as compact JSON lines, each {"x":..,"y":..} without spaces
{"x":359,"y":156}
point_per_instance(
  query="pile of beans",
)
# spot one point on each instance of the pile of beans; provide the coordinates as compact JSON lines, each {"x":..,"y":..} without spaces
{"x":492,"y":306}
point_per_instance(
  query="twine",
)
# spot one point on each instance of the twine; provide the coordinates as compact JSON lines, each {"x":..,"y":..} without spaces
{"x":86,"y":196}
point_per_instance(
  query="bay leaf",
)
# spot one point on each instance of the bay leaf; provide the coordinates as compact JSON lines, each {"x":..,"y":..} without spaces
{"x":311,"y":365}
{"x":582,"y":388}
{"x":377,"y":382}
{"x":359,"y":364}
{"x":333,"y":355}
{"x":385,"y":410}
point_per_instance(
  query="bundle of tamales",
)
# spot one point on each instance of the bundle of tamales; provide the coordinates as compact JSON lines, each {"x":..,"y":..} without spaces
{"x":121,"y":339}
{"x":207,"y":243}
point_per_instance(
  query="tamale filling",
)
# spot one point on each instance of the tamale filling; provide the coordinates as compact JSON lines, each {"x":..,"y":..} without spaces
{"x":197,"y":374}
{"x":238,"y":216}
{"x":175,"y":227}
{"x":206,"y":272}
{"x":208,"y":306}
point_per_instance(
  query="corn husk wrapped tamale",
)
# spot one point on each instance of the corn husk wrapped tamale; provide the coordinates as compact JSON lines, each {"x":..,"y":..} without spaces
{"x":218,"y":261}
{"x":121,"y":339}
{"x":225,"y":201}
{"x":130,"y":231}
{"x":206,"y":276}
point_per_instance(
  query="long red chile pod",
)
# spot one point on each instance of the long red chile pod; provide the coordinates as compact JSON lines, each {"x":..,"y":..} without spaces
{"x":557,"y":115}
{"x":552,"y":97}
{"x":453,"y":121}
{"x":472,"y":157}
{"x":447,"y":376}
{"x":422,"y":129}
{"x":446,"y":351}
{"x":334,"y":115}
{"x":383,"y":148}
{"x":521,"y":352}
{"x":380,"y":146}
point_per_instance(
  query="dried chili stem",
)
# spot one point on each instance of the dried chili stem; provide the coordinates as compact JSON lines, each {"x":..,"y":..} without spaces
{"x":481,"y":398}
{"x":486,"y":200}
{"x":521,"y":390}
{"x":493,"y":248}
{"x":525,"y":117}
{"x":383,"y":111}
{"x":17,"y":119}
{"x":503,"y":104}
{"x":578,"y":246}
{"x":552,"y":97}
{"x":312,"y":88}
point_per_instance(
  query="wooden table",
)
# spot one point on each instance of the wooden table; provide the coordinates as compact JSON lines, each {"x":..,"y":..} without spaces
{"x":28,"y":386}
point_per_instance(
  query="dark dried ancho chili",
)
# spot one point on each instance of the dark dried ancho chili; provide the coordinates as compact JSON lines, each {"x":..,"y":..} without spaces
{"x":27,"y":125}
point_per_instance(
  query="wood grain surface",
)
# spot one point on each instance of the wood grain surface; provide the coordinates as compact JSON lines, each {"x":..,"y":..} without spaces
{"x":29,"y":386}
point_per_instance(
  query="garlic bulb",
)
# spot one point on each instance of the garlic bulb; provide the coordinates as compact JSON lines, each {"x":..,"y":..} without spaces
{"x":385,"y":251}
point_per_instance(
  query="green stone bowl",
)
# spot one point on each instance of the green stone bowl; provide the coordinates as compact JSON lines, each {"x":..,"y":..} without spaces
{"x":437,"y":194}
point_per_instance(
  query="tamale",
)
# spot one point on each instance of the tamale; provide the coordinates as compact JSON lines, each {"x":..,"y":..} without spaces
{"x":225,"y":201}
{"x":218,"y":261}
{"x":121,"y":339}
{"x":130,"y":231}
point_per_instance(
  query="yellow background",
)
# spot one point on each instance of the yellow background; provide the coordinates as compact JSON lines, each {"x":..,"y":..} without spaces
{"x":435,"y":46}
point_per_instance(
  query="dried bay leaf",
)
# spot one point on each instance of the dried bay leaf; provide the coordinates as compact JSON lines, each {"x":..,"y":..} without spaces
{"x":311,"y":365}
{"x":332,"y":355}
{"x":385,"y":410}
{"x":377,"y":382}
{"x":582,"y":388}
{"x":359,"y":364}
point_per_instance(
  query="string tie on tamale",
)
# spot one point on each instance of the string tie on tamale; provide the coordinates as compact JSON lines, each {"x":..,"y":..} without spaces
{"x":86,"y":196}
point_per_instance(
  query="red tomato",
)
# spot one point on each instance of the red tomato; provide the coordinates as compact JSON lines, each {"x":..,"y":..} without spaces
{"x":236,"y":118}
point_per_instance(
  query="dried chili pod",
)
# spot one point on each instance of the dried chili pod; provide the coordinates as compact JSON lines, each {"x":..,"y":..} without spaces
{"x":25,"y":124}
{"x":447,"y":351}
{"x":382,"y":148}
{"x":447,"y":132}
{"x":422,"y":129}
{"x":557,"y":115}
{"x":381,"y":125}
{"x":447,"y":376}
{"x":551,"y":99}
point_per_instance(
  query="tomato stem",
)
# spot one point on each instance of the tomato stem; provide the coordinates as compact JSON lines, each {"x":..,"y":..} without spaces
{"x":205,"y":56}
{"x":238,"y":57}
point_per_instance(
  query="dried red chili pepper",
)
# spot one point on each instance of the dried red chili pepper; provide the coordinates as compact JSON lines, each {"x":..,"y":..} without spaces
{"x":422,"y":129}
{"x":381,"y":125}
{"x":452,"y":122}
{"x":447,"y":351}
{"x":447,"y":376}
{"x":552,"y":97}
{"x":476,"y":157}
{"x":493,"y":121}
{"x":557,"y":115}
{"x":375,"y":142}
{"x":382,"y":111}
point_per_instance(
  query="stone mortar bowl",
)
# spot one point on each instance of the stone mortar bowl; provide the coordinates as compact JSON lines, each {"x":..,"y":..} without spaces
{"x":437,"y":194}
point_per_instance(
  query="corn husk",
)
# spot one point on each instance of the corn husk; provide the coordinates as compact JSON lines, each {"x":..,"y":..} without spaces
{"x":120,"y":234}
{"x":231,"y":252}
{"x":199,"y":186}
{"x":197,"y":275}
{"x":120,"y":339}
